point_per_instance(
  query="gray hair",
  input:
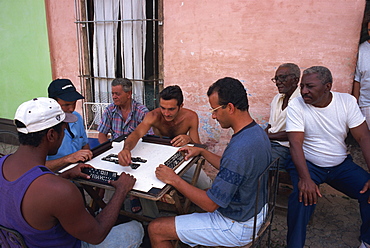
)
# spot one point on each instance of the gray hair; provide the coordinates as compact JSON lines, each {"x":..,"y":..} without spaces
{"x":124,"y":82}
{"x":322,"y":72}
{"x":294,"y":69}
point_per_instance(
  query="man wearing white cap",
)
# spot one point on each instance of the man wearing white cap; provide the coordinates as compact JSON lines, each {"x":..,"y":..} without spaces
{"x":46,"y":209}
{"x":75,"y":146}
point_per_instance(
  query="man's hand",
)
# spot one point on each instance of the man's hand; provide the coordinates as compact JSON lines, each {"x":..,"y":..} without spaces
{"x":124,"y":183}
{"x":308,"y":191}
{"x":366,"y":188}
{"x":124,"y":157}
{"x":166,"y":174}
{"x":76,"y":172}
{"x":180,"y":140}
{"x":191,"y":151}
{"x":82,"y":155}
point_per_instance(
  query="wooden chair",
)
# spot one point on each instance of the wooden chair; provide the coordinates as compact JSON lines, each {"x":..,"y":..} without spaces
{"x":10,"y":238}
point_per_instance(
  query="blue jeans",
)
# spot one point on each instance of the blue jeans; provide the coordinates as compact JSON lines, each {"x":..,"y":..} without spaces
{"x":126,"y":235}
{"x":279,"y":151}
{"x":347,"y":177}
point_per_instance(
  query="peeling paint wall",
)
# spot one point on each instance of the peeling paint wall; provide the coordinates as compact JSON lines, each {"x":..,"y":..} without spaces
{"x":210,"y":39}
{"x":63,"y":44}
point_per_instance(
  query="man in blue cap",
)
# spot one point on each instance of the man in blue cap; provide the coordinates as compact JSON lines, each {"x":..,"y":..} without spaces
{"x":75,"y":146}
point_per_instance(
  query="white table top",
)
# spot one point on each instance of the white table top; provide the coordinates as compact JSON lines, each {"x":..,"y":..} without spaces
{"x":155,"y":154}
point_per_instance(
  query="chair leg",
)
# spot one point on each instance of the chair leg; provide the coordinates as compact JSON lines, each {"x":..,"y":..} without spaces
{"x":194,"y":181}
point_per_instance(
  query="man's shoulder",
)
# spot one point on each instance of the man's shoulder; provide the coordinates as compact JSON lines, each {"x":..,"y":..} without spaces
{"x":344,"y":97}
{"x":365,"y":45}
{"x":154,"y":115}
{"x":139,"y":106}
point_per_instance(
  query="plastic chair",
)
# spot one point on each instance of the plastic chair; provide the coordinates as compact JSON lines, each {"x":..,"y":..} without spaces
{"x":10,"y":238}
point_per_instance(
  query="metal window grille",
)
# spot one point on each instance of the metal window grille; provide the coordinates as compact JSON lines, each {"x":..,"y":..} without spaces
{"x":119,"y":38}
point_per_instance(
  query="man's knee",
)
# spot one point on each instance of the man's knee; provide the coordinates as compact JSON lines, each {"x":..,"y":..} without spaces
{"x":162,"y":227}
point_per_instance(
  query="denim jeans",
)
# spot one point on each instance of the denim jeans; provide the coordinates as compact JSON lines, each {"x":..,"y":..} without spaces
{"x":347,"y":177}
{"x":127,"y":235}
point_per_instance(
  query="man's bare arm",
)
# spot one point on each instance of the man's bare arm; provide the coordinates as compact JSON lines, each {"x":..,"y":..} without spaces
{"x":356,"y":89}
{"x":192,"y":136}
{"x":362,"y":136}
{"x":102,"y":138}
{"x":74,"y":218}
{"x":308,"y":190}
{"x":195,"y":195}
{"x":192,"y":151}
{"x":82,"y":155}
{"x":124,"y":156}
{"x":193,"y":131}
{"x":281,"y":136}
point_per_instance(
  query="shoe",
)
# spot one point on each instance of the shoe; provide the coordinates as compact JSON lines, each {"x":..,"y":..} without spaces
{"x":135,"y":205}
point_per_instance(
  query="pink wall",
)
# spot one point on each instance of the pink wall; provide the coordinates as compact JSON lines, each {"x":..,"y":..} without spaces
{"x":210,"y":39}
{"x":63,"y":41}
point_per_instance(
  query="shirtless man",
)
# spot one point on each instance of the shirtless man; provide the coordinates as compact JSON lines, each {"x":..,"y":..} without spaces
{"x":169,"y":120}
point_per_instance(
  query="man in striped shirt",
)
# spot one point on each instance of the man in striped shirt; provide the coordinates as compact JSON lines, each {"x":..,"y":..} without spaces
{"x":123,"y":115}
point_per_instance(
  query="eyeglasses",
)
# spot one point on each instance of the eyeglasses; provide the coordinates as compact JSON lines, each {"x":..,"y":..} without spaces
{"x":213,"y":110}
{"x":281,"y":78}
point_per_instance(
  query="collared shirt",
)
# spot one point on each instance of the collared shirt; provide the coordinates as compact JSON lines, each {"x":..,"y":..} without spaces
{"x":277,"y":118}
{"x":113,"y":122}
{"x":72,"y":144}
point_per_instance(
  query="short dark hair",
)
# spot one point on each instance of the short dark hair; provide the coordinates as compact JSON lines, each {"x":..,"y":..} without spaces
{"x":172,"y":92}
{"x":34,"y":139}
{"x":124,"y":82}
{"x":322,"y":72}
{"x":230,"y":90}
{"x":366,"y":19}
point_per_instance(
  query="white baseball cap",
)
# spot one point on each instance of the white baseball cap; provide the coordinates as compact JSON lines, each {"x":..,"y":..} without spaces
{"x":41,"y":113}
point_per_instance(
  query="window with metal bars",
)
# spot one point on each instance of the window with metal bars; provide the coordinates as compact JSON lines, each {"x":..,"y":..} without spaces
{"x":119,"y":38}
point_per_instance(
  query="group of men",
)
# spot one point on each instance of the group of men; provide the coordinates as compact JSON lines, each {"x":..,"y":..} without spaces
{"x":307,"y":130}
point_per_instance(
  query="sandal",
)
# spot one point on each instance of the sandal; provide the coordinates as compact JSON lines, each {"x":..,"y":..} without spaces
{"x":135,"y":205}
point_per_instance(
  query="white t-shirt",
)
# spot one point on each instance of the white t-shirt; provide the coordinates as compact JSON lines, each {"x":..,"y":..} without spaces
{"x":362,"y":74}
{"x":325,"y":129}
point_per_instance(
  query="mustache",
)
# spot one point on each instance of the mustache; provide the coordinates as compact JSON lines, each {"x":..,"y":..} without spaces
{"x":305,"y":95}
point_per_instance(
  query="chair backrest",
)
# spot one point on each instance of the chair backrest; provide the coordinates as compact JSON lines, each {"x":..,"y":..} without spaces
{"x":92,"y":114}
{"x":10,"y":238}
{"x":269,"y":179}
